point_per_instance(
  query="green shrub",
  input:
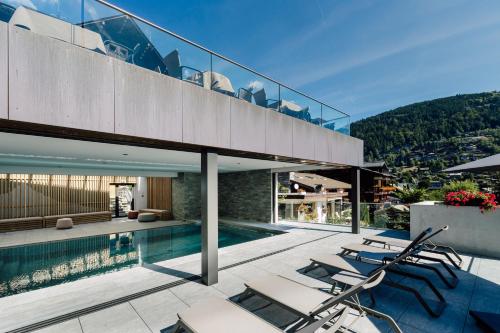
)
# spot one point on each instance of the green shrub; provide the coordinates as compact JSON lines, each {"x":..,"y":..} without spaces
{"x":456,"y":186}
{"x":412,"y":195}
{"x":435,"y":195}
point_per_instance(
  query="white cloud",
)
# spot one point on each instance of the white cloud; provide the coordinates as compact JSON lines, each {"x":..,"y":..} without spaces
{"x":360,"y":59}
{"x":255,"y":85}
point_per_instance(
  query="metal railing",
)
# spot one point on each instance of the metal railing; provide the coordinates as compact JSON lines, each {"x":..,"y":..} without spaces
{"x":143,"y":43}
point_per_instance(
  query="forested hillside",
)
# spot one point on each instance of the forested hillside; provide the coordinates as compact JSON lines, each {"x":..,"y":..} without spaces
{"x":421,"y":139}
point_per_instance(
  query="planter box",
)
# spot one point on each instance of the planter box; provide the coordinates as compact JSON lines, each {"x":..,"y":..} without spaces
{"x":470,"y":231}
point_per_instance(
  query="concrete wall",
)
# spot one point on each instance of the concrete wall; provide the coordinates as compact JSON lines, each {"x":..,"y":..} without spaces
{"x":3,"y":69}
{"x":147,"y":108}
{"x":246,"y":195}
{"x":186,"y":196}
{"x":56,"y":83}
{"x":470,"y":231}
{"x":141,"y":193}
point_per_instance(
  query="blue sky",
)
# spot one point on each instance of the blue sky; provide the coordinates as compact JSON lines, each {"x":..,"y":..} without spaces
{"x":362,"y":56}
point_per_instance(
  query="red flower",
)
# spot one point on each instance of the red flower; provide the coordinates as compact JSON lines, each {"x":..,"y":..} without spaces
{"x":485,"y":201}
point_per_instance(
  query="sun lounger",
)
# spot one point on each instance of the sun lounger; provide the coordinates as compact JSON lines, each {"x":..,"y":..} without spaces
{"x":428,"y":246}
{"x":341,"y":265}
{"x":310,"y":303}
{"x":378,"y":253}
{"x":222,"y":316}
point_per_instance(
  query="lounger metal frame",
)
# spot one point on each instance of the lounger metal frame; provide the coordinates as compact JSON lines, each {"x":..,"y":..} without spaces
{"x":415,"y":254}
{"x":311,"y":319}
{"x":431,"y":247}
{"x":391,"y":266}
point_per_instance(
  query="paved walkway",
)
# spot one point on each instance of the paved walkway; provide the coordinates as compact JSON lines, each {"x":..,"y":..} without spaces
{"x":478,"y":289}
{"x":82,"y":230}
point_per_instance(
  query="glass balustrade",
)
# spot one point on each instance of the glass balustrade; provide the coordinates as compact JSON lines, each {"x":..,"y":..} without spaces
{"x":104,"y":28}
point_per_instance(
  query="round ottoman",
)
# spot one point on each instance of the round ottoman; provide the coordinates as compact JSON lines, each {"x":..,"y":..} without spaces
{"x":132,"y":214}
{"x":64,"y":223}
{"x":146,"y":217}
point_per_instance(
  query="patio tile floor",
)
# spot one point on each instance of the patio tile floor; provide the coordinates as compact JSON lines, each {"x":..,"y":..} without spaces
{"x":478,"y":289}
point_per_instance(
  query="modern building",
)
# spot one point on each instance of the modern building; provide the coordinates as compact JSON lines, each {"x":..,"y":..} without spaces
{"x":97,"y":92}
{"x":376,"y":183}
{"x":311,"y":197}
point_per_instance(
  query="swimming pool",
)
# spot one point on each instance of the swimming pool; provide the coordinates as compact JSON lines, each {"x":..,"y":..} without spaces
{"x":29,"y":267}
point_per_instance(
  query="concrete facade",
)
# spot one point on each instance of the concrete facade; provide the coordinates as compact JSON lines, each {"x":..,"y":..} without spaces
{"x":248,"y":126}
{"x":470,"y":230}
{"x":206,"y":117}
{"x":246,"y":195}
{"x":159,"y":97}
{"x":4,"y":69}
{"x":56,"y":83}
{"x":279,"y":136}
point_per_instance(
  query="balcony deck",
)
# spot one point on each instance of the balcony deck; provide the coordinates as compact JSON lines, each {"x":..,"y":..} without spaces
{"x":284,"y":254}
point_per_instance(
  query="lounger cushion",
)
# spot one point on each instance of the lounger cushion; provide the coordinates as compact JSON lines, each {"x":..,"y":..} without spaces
{"x":296,"y":296}
{"x":221,"y":316}
{"x":345,"y":264}
{"x":64,"y":223}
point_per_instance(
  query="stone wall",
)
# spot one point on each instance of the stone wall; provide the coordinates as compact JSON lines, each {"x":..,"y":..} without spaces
{"x":242,"y":196}
{"x":246,"y":195}
{"x":186,"y":196}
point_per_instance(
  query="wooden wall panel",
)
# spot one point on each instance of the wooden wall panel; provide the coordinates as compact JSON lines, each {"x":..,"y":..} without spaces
{"x":27,"y":195}
{"x":160,"y":193}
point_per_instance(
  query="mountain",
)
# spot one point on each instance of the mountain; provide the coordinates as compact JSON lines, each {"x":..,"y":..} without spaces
{"x":433,"y":134}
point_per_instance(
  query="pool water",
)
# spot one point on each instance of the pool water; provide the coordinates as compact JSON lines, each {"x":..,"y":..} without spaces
{"x":29,"y":267}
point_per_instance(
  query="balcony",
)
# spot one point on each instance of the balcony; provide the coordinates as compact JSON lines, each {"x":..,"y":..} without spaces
{"x":107,"y":29}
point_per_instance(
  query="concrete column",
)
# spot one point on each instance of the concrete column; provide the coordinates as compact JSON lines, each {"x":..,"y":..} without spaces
{"x":141,"y":193}
{"x":275,"y":197}
{"x":355,"y":198}
{"x":209,"y":218}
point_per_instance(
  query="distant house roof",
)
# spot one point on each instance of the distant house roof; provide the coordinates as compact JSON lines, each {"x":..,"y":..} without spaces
{"x":491,"y":163}
{"x":312,"y":180}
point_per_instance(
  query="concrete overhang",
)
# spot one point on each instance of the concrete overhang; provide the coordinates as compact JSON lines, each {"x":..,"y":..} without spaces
{"x":33,"y":154}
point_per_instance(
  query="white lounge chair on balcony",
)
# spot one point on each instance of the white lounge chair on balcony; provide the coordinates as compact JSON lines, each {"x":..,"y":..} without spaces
{"x":216,"y":81}
{"x":175,"y":69}
{"x":55,"y":28}
{"x":88,"y":39}
{"x":261,"y":99}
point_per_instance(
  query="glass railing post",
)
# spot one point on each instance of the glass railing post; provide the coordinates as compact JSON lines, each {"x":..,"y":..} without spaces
{"x":82,"y":13}
{"x":321,"y":117}
{"x":211,"y":71}
{"x":279,"y":98}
